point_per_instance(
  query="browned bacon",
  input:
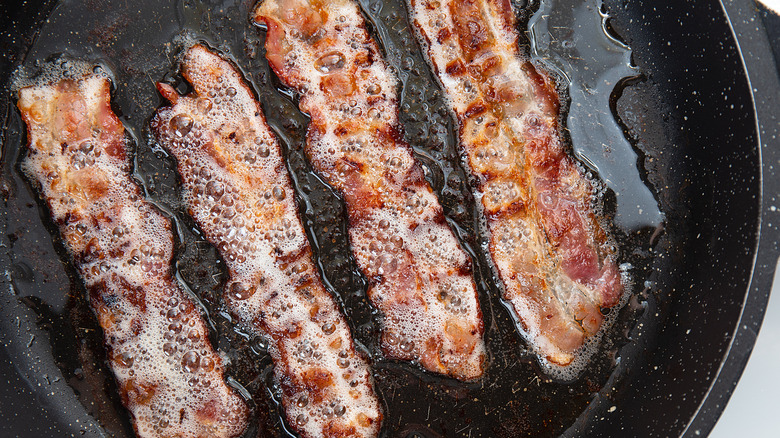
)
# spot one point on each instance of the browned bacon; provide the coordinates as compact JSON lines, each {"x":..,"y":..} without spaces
{"x":169,"y":377}
{"x":236,"y":186}
{"x":420,"y":279}
{"x":552,"y":255}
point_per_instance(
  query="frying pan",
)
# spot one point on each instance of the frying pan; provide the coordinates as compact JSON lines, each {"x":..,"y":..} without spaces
{"x":701,"y":116}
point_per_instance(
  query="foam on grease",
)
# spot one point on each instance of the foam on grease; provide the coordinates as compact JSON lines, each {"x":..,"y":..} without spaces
{"x":236,"y":187}
{"x":59,"y":68}
{"x":170,"y":378}
{"x":581,"y":356}
{"x":420,"y":278}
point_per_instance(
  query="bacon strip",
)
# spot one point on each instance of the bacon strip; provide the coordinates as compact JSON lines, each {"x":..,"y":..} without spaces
{"x":554,"y":259}
{"x":169,"y":377}
{"x":420,"y":279}
{"x":236,"y":187}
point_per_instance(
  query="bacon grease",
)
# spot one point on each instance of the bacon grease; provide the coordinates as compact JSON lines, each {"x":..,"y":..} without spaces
{"x":170,"y":379}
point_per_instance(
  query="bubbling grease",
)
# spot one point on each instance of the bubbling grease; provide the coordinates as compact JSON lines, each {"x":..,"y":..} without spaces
{"x":170,"y":378}
{"x":556,"y":263}
{"x":420,"y":279}
{"x":236,"y":187}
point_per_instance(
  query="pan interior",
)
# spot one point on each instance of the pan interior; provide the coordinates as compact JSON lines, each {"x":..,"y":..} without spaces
{"x":687,"y":116}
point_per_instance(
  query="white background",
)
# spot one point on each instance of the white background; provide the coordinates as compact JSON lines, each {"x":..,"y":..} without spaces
{"x":772,"y":4}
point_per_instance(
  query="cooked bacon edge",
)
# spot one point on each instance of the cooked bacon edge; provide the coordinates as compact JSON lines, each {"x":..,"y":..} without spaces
{"x":169,"y":377}
{"x":236,"y":187}
{"x":419,"y":278}
{"x":554,"y":259}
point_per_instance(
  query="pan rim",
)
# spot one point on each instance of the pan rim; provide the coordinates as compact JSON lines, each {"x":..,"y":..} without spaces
{"x":757,"y":60}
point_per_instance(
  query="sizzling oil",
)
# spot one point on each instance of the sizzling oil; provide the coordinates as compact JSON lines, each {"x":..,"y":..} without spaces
{"x":514,"y":398}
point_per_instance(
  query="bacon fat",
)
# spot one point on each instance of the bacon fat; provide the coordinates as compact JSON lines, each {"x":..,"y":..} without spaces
{"x":554,"y":259}
{"x":169,"y":377}
{"x":419,"y":277}
{"x":236,"y":187}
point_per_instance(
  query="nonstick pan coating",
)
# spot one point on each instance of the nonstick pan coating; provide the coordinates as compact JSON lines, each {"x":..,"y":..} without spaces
{"x":701,"y":118}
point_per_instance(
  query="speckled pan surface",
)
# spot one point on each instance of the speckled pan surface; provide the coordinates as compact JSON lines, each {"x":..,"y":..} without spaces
{"x":701,"y":284}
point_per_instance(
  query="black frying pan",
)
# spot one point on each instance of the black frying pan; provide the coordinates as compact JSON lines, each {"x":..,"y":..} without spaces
{"x":702,"y":117}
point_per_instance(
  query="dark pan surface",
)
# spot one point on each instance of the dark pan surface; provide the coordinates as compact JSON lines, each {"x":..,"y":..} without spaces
{"x":689,"y":116}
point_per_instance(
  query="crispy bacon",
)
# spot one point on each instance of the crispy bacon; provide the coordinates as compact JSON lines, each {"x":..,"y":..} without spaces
{"x":420,"y":279}
{"x":236,"y":186}
{"x":169,"y":377}
{"x":555,"y":260}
